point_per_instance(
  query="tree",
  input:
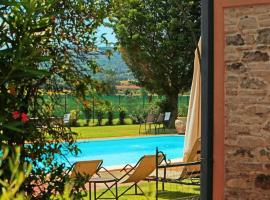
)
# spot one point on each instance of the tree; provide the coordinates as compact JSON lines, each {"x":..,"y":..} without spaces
{"x":43,"y":43}
{"x":157,"y":41}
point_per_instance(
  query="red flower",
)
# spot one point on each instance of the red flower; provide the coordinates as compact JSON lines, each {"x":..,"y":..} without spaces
{"x":15,"y":115}
{"x":24,"y":117}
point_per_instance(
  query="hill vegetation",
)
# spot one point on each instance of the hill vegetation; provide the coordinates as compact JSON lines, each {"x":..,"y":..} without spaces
{"x":113,"y":66}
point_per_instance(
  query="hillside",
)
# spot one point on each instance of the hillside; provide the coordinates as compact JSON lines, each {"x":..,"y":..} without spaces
{"x":115,"y":64}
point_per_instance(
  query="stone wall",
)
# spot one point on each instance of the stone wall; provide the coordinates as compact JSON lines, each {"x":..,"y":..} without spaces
{"x":247,"y":102}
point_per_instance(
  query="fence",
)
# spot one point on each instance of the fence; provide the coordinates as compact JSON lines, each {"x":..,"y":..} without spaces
{"x":129,"y":103}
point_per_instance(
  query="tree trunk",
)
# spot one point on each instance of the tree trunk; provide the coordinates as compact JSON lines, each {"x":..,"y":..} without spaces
{"x":172,"y":106}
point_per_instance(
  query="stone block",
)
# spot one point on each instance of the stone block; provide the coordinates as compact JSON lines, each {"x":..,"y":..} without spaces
{"x":262,"y":181}
{"x":244,"y":11}
{"x":264,"y":16}
{"x":250,"y":92}
{"x":266,"y":127}
{"x":264,"y":24}
{"x":250,"y":141}
{"x":250,"y":166}
{"x":231,"y":29}
{"x":249,"y":39}
{"x":239,"y":183}
{"x":237,"y":67}
{"x":258,"y":110}
{"x":243,"y":152}
{"x":264,"y":36}
{"x":255,"y":56}
{"x":267,"y":166}
{"x":252,"y":83}
{"x":261,"y":9}
{"x":259,"y":67}
{"x":232,"y":57}
{"x":247,"y":22}
{"x":235,"y":40}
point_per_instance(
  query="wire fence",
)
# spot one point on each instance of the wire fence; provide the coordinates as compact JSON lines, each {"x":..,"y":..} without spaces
{"x":130,"y":104}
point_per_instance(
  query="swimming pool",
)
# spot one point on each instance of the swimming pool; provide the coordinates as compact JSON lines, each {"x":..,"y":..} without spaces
{"x":115,"y":152}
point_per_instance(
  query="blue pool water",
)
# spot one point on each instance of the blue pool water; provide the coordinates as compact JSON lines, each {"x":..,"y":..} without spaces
{"x":115,"y":152}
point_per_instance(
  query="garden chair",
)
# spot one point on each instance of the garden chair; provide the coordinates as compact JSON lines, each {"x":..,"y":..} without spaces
{"x":150,"y":119}
{"x":187,"y":173}
{"x":167,"y":118}
{"x":66,"y":119}
{"x":132,"y":174}
{"x":159,"y":121}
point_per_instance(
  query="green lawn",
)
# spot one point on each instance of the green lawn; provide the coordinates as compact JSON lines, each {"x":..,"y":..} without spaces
{"x":91,"y":132}
{"x":172,"y":191}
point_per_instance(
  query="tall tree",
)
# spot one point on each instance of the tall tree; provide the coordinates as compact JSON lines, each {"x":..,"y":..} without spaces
{"x":157,"y":41}
{"x":43,"y":43}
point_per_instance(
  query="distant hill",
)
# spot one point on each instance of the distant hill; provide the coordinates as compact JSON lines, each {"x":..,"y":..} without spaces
{"x":115,"y":63}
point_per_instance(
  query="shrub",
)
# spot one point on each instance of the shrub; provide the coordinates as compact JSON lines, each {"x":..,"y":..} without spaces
{"x":101,"y":109}
{"x":110,"y":118}
{"x":74,"y":116}
{"x":183,"y":111}
{"x":110,"y":109}
{"x":87,"y":115}
{"x":136,"y":115}
{"x":99,"y":117}
{"x":122,"y":115}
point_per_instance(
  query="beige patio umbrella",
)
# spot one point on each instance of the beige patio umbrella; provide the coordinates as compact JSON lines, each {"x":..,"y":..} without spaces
{"x":193,"y":124}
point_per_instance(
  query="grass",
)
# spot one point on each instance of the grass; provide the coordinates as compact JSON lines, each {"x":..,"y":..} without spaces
{"x":92,"y":132}
{"x":172,"y":191}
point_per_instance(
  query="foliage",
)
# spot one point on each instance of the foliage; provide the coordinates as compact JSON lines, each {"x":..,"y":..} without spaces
{"x":11,"y":185}
{"x":110,"y":118}
{"x":122,"y":115}
{"x":44,"y":46}
{"x":87,"y":114}
{"x":183,"y":111}
{"x":157,"y":40}
{"x":110,"y":114}
{"x":74,"y":116}
{"x":137,"y":115}
{"x":110,"y":82}
{"x":100,"y":110}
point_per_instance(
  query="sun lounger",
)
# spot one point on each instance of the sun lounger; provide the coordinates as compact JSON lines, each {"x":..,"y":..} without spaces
{"x":132,"y":174}
{"x":188,"y":173}
{"x":84,"y":170}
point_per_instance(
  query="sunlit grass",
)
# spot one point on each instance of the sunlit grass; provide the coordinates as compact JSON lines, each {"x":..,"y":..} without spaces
{"x":114,"y":131}
{"x":172,"y":191}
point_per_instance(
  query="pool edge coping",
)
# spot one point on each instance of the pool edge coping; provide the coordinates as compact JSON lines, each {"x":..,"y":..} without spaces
{"x":126,"y":137}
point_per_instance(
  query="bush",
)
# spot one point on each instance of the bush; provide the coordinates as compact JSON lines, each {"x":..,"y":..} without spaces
{"x":110,"y":118}
{"x":74,"y":116}
{"x":99,"y":117}
{"x":183,"y":111}
{"x":122,"y":115}
{"x":101,"y":109}
{"x":87,"y":115}
{"x":136,"y":115}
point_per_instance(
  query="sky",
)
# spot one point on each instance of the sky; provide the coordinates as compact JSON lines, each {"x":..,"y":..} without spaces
{"x":109,"y":35}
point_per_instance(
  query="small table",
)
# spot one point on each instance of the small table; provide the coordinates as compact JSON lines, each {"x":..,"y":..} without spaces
{"x":95,"y":181}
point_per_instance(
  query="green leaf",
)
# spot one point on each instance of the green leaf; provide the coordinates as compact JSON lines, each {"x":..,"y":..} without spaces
{"x":36,"y":72}
{"x":14,"y":126}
